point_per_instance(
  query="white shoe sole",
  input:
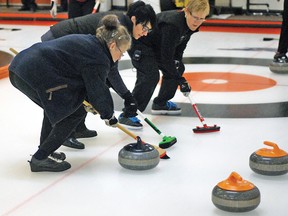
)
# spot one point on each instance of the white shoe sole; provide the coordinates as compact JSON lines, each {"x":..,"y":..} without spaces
{"x":166,"y":112}
{"x":132,"y":127}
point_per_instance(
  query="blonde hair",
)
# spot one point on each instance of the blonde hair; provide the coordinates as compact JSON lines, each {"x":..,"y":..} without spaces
{"x":112,"y":31}
{"x":198,"y":6}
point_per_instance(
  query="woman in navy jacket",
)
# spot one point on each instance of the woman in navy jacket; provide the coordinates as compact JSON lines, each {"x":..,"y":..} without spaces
{"x":138,"y":20}
{"x":58,"y":75}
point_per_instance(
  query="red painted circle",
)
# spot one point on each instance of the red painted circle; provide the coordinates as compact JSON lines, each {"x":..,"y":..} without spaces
{"x":227,"y":82}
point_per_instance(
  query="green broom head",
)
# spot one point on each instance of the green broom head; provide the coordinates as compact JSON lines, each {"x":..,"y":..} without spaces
{"x":167,"y":142}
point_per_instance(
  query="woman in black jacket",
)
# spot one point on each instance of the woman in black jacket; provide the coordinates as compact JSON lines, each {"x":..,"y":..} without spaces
{"x":163,"y":50}
{"x":59,"y":74}
{"x":138,"y":20}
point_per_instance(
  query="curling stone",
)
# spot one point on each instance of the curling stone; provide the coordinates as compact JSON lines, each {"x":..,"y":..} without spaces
{"x":280,"y":68}
{"x":269,"y":161}
{"x":235,"y":194}
{"x":138,"y":156}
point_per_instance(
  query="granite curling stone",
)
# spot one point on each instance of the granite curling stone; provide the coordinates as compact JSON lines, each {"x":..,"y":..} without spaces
{"x":270,"y":162}
{"x":235,"y":194}
{"x":138,"y":156}
{"x":280,"y":68}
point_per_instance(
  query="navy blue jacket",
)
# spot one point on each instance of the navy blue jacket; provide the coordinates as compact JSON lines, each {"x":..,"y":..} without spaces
{"x":87,"y":25}
{"x":66,"y":71}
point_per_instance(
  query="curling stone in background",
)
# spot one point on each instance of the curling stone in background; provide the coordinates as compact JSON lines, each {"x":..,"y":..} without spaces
{"x":235,"y":194}
{"x":280,"y":68}
{"x":138,"y":156}
{"x":269,"y":161}
{"x":6,"y":58}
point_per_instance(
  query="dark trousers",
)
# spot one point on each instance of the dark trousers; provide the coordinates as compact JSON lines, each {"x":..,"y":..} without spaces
{"x":77,"y":8}
{"x":147,"y":77}
{"x":52,"y":136}
{"x":283,"y":41}
{"x":28,"y":3}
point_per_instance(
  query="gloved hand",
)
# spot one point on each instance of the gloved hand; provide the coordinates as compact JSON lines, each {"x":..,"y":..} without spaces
{"x":130,"y":104}
{"x":53,"y":8}
{"x":184,"y":87}
{"x":112,"y":122}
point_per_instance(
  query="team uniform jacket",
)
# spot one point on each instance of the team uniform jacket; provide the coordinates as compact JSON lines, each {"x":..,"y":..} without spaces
{"x":169,"y":39}
{"x":88,"y":25}
{"x":66,"y":71}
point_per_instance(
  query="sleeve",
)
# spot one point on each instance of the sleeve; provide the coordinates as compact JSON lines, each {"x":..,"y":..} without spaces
{"x":168,"y":48}
{"x":98,"y":92}
{"x":180,"y":49}
{"x":116,"y":81}
{"x":65,"y":27}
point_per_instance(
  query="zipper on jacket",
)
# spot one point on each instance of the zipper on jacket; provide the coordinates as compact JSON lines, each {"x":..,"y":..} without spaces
{"x":51,"y":90}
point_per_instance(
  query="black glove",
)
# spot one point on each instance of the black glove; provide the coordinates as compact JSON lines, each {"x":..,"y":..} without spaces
{"x":184,"y":87}
{"x":112,"y":122}
{"x":130,"y":104}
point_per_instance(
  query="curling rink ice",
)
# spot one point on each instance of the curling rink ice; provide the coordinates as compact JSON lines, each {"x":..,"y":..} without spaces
{"x":182,"y":185}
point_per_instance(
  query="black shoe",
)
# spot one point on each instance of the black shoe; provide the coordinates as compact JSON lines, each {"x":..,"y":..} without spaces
{"x":58,"y":156}
{"x":48,"y":164}
{"x":24,"y":8}
{"x":85,"y":133}
{"x":279,"y":64}
{"x":73,"y":143}
{"x":130,"y":123}
{"x":280,"y":58}
{"x":169,"y":108}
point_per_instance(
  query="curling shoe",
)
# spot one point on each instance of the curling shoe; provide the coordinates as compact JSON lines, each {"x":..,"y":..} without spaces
{"x":169,"y":108}
{"x":130,"y":123}
{"x":49,"y":164}
{"x":73,"y":143}
{"x":85,"y":133}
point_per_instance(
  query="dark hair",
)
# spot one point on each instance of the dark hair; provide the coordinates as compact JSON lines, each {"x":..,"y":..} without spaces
{"x":112,"y":31}
{"x":144,"y":13}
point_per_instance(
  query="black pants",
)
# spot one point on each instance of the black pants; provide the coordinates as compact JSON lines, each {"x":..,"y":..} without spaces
{"x":28,"y":3}
{"x":52,"y":136}
{"x":77,"y":8}
{"x":283,"y":41}
{"x":147,"y":77}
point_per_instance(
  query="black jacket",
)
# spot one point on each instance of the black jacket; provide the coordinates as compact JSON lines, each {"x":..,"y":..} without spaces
{"x":88,"y":25}
{"x":169,"y":39}
{"x":65,"y":71}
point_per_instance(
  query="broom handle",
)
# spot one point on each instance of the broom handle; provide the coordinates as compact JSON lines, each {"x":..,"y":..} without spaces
{"x":150,"y":123}
{"x":13,"y":51}
{"x":196,"y":109}
{"x":96,"y":6}
{"x":126,"y":131}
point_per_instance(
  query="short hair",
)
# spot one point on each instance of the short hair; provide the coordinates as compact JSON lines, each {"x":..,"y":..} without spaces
{"x":144,"y":13}
{"x":198,"y":5}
